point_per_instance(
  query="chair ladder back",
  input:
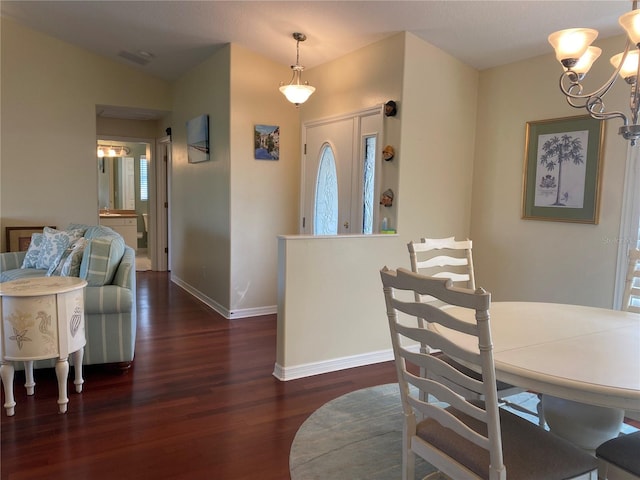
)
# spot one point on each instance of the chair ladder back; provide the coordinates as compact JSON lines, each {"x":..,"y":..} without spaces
{"x":452,"y":410}
{"x":443,"y":257}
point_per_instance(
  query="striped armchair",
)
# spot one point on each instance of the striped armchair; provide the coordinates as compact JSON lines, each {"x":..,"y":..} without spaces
{"x":110,"y":311}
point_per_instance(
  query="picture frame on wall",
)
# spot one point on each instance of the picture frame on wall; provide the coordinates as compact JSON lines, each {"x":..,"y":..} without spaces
{"x":19,"y":238}
{"x":198,"y":139}
{"x":563,"y":170}
{"x":266,"y":142}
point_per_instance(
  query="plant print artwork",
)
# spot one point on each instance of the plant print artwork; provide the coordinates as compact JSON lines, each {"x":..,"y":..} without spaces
{"x":561,"y":169}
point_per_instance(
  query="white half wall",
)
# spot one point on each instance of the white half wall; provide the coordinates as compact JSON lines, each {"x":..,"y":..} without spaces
{"x":331,"y":312}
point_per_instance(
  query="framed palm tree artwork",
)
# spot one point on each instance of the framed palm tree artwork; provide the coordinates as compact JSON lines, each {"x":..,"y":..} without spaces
{"x":562,"y":170}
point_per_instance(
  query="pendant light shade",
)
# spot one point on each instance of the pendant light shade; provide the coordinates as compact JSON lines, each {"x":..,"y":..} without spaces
{"x":297,"y":91}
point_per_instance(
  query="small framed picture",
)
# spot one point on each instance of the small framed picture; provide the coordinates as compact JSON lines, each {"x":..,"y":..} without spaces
{"x":19,"y":238}
{"x":563,"y":170}
{"x":266,"y":142}
{"x":198,"y":139}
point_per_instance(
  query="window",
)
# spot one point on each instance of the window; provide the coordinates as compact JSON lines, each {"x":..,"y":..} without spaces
{"x":326,"y":207}
{"x":368,"y":177}
{"x":144,"y":181}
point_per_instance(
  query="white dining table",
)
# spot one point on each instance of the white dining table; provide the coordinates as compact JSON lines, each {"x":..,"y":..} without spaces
{"x":578,"y":356}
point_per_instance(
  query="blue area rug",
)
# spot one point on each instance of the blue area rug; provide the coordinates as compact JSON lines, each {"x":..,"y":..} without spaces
{"x":359,"y":436}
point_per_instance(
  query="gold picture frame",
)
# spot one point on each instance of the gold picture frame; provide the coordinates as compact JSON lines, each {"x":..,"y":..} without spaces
{"x":562,"y":172}
{"x":19,"y":238}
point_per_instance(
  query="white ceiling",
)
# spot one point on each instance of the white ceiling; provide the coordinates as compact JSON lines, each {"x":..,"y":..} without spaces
{"x":181,"y":34}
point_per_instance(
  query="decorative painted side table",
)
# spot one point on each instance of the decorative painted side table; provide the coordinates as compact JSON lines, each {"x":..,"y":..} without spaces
{"x":42,"y":318}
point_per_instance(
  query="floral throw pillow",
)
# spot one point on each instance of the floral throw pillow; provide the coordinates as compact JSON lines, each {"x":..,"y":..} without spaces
{"x":54,"y":245}
{"x":69,"y":263}
{"x":31,"y":258}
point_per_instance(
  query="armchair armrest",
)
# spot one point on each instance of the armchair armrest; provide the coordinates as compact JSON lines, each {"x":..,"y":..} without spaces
{"x":11,"y":260}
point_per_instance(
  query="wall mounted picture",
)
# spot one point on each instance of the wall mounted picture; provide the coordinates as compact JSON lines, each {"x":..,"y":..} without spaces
{"x":562,"y":170}
{"x":266,"y":141}
{"x":198,"y":139}
{"x":19,"y":238}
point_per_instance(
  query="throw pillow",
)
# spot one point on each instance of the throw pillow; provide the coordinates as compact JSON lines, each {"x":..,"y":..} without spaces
{"x":35,"y":247}
{"x":54,"y":244}
{"x":69,"y":264}
{"x":101,"y":258}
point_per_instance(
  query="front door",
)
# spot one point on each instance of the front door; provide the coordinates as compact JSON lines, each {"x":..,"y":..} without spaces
{"x":341,"y":173}
{"x":328,"y":178}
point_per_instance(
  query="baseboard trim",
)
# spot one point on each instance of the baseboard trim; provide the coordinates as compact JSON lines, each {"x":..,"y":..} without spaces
{"x":229,"y":315}
{"x":333,"y":365}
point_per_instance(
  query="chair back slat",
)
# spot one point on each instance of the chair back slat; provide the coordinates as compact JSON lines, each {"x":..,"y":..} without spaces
{"x":434,"y":314}
{"x":435,"y":340}
{"x":631,"y":296}
{"x":436,"y":366}
{"x":443,"y":257}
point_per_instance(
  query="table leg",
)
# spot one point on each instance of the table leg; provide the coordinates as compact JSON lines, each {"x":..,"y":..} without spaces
{"x":586,"y":426}
{"x":62,"y":372}
{"x":29,"y":383}
{"x":77,"y":368}
{"x":7,"y":372}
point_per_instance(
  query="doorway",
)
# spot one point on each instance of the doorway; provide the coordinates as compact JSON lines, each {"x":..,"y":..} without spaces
{"x":134,"y":186}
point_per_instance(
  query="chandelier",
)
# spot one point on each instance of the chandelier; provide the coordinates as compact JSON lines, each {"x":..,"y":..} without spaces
{"x":297,"y":92}
{"x":575,"y":53}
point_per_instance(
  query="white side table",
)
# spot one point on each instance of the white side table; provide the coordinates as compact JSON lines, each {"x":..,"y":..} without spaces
{"x":42,"y":318}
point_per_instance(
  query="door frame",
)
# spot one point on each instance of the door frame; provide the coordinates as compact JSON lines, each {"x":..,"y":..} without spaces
{"x":160,"y":218}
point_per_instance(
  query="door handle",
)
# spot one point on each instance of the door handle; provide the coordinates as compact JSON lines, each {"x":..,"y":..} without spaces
{"x":345,"y":224}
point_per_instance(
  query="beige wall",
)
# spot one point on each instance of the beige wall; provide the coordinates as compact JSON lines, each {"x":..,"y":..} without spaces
{"x":200,"y":192}
{"x":519,"y":259}
{"x":138,"y":129}
{"x":264,"y":193}
{"x":438,"y":135}
{"x":227,"y":212}
{"x":49,"y":93}
{"x":331,"y":309}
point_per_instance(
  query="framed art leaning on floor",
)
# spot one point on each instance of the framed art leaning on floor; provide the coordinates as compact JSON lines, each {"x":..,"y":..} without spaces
{"x":562,"y":170}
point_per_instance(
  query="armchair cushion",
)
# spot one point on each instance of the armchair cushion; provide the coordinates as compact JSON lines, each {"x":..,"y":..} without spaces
{"x":101,"y":258}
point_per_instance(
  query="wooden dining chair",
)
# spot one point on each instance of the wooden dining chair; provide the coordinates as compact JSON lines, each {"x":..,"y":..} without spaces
{"x":452,"y":259}
{"x":619,"y":458}
{"x":463,"y":439}
{"x":631,"y":296}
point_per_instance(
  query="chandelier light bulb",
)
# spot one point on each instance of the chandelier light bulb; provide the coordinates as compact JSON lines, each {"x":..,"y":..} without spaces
{"x":630,"y":21}
{"x":571,"y":44}
{"x":586,"y":60}
{"x":629,"y":69}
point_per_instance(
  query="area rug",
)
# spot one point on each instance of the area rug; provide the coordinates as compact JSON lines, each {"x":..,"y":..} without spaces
{"x":359,"y":436}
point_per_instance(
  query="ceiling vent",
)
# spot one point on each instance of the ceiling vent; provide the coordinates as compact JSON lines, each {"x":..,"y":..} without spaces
{"x":137,"y":58}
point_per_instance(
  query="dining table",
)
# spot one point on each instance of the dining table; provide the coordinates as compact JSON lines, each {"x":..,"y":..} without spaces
{"x":583,"y":360}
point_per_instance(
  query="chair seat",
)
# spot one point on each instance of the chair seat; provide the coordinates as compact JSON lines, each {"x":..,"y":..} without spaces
{"x":530,"y":452}
{"x":623,"y":452}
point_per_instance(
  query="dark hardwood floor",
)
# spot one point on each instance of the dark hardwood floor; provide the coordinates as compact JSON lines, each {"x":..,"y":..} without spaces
{"x":200,"y":402}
